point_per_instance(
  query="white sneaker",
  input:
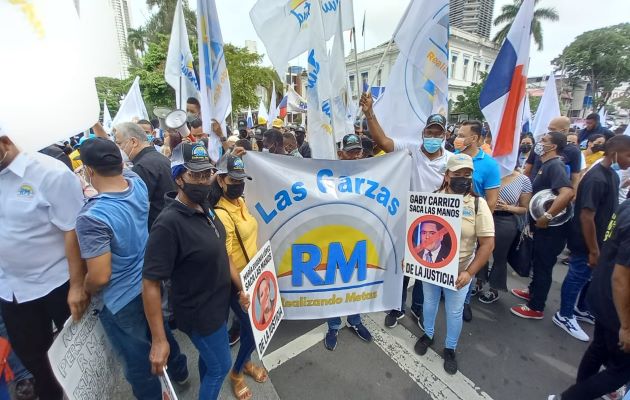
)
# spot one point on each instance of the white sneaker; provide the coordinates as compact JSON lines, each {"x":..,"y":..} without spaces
{"x":570,"y":326}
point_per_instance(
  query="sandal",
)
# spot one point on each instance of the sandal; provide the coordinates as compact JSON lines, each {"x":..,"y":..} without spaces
{"x":239,"y":387}
{"x":259,"y":374}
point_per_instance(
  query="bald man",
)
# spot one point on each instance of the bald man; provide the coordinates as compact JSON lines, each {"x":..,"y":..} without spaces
{"x":571,"y":154}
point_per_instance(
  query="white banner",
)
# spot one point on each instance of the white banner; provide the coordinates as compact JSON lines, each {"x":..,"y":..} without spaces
{"x":132,"y":108}
{"x":434,"y":224}
{"x":336,"y":230}
{"x":260,"y":283}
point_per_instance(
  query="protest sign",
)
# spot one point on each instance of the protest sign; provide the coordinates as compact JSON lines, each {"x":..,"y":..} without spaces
{"x":434,"y":223}
{"x":260,"y":283}
{"x":168,"y":393}
{"x":336,"y":230}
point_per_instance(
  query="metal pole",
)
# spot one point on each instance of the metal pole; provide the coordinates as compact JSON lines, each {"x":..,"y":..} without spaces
{"x":180,"y":92}
{"x":356,"y":63}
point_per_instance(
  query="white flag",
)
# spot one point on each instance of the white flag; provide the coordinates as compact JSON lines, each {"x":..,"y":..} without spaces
{"x":548,"y":109}
{"x":418,"y":83}
{"x":284,"y":25}
{"x":273,"y":106}
{"x":295,"y":102}
{"x":262,"y":111}
{"x":216,"y":96}
{"x":527,"y":116}
{"x":179,"y":72}
{"x":627,"y":131}
{"x":602,"y":116}
{"x":43,"y":65}
{"x":107,"y":119}
{"x":132,"y":108}
{"x":339,"y":85}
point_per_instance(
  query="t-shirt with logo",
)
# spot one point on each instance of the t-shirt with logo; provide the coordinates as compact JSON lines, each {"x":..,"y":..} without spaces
{"x":428,"y":175}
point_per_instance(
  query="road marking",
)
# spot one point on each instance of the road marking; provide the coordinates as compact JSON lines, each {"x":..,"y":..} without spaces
{"x":295,"y":347}
{"x":427,"y":371}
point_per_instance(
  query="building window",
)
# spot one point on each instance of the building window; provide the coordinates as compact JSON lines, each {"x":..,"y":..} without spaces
{"x":465,"y":71}
{"x":353,"y":86}
{"x":453,"y":65}
{"x":487,"y":68}
{"x":378,"y":78}
{"x":475,"y":75}
{"x":364,"y":80}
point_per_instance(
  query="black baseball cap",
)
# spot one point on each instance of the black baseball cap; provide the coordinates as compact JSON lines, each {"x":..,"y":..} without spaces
{"x":193,"y":156}
{"x":100,"y":152}
{"x":242,"y":124}
{"x":351,"y":142}
{"x":233,"y":166}
{"x":436,"y":119}
{"x":300,"y":129}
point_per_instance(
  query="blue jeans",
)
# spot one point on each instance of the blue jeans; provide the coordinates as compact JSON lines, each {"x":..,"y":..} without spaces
{"x":578,"y":275}
{"x":247,"y":345}
{"x":454,"y":306}
{"x":128,"y":332}
{"x":417,"y":297}
{"x":472,"y":284}
{"x":214,"y":361}
{"x":335,"y":322}
{"x":18,"y":369}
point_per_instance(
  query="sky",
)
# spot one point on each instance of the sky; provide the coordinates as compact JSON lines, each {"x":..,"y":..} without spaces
{"x":381,"y":18}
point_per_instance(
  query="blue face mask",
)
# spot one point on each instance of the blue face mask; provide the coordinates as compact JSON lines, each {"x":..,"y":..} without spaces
{"x":150,"y":138}
{"x":432,"y":145}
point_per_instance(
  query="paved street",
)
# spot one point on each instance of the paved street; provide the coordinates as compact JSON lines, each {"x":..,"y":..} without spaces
{"x":500,"y":357}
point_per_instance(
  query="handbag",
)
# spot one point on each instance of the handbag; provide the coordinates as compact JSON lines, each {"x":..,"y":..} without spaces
{"x":521,"y":253}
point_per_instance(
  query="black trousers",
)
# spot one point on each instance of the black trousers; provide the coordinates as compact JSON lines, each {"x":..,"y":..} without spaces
{"x":30,"y":331}
{"x":548,"y":244}
{"x":603,"y":351}
{"x":505,"y":231}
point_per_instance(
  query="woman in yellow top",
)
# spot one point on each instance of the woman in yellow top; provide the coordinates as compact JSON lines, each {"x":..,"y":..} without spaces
{"x":476,"y":245}
{"x":594,"y":149}
{"x":241,"y":242}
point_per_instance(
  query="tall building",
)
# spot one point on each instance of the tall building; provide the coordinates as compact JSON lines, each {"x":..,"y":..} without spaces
{"x":473,"y":16}
{"x":251,"y":46}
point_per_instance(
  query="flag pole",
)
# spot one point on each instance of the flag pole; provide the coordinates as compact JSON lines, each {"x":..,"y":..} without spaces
{"x":356,"y":62}
{"x":180,"y":92}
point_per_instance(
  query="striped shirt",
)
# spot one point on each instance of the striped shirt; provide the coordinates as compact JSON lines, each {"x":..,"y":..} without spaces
{"x":511,"y":192}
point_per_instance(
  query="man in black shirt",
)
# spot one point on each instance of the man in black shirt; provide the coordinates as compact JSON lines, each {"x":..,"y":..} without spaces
{"x":593,"y":126}
{"x":153,"y":168}
{"x":549,"y":241}
{"x":609,"y":298}
{"x":596,"y":201}
{"x":303,"y":147}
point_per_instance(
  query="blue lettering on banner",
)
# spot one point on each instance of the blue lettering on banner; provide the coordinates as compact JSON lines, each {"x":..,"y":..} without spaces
{"x":302,"y":16}
{"x":187,"y":72}
{"x":312,"y":76}
{"x":326,"y":108}
{"x":329,"y":6}
{"x":336,"y":260}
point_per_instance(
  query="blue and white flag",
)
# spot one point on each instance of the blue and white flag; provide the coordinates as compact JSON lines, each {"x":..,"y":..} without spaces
{"x":179,"y":72}
{"x":527,"y":116}
{"x":107,"y":118}
{"x":215,"y":93}
{"x":250,"y":119}
{"x":418,"y":81}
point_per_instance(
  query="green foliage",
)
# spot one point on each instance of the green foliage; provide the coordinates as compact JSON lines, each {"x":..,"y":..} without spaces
{"x":111,"y":90}
{"x":601,"y":57}
{"x":161,"y":21}
{"x":534,"y":102}
{"x":623,"y":102}
{"x":468,"y":103}
{"x":508,"y":13}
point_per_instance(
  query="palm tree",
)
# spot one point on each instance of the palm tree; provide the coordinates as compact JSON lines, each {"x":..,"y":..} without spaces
{"x":508,"y":13}
{"x":136,"y":40}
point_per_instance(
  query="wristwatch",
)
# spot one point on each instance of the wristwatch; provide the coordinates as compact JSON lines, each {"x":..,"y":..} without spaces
{"x":548,"y":216}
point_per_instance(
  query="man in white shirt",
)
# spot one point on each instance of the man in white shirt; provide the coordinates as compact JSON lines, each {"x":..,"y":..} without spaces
{"x":430,"y":158}
{"x":40,"y":199}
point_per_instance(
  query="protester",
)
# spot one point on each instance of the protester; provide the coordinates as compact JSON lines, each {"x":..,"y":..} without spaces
{"x":527,"y":144}
{"x":24,"y":384}
{"x":241,"y":233}
{"x":57,"y":151}
{"x":476,"y":244}
{"x":572,"y":138}
{"x":549,"y":241}
{"x":594,"y":126}
{"x":277,"y":124}
{"x":244,"y":143}
{"x":368,"y":146}
{"x":430,"y":159}
{"x":594,"y":149}
{"x":193,"y":106}
{"x":595,"y":203}
{"x":273,"y":142}
{"x":304,"y":148}
{"x":350,"y":149}
{"x":514,"y":196}
{"x":609,"y":299}
{"x":290,"y":144}
{"x":39,"y":202}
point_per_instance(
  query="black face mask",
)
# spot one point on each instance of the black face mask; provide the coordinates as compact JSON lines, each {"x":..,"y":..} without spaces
{"x":525,"y":148}
{"x":460,"y":184}
{"x":235,"y":190}
{"x":597,"y":147}
{"x":196,"y":192}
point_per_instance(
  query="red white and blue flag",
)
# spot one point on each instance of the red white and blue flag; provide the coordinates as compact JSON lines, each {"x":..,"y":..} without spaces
{"x":282,"y":107}
{"x":502,"y":97}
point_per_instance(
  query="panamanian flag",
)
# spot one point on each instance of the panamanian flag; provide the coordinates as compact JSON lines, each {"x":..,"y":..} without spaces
{"x":282,"y":107}
{"x":502,"y":97}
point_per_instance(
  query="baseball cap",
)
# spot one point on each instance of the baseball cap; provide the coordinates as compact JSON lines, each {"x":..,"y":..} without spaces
{"x":193,"y":156}
{"x":233,"y":166}
{"x":262,"y":120}
{"x":242,"y":124}
{"x":100,"y":152}
{"x":277,"y":123}
{"x":436,"y":119}
{"x":300,"y":129}
{"x":351,"y":142}
{"x":459,"y":161}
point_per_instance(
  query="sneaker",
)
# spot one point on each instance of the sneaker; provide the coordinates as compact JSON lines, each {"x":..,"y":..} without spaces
{"x":553,"y":397}
{"x":521,"y":293}
{"x":474,"y":291}
{"x":330,"y":340}
{"x":423,"y":344}
{"x":467,"y":314}
{"x":525,"y":312}
{"x":25,"y":389}
{"x":184,"y":381}
{"x":489,"y":297}
{"x":391,"y":319}
{"x":450,"y":363}
{"x":234,"y":336}
{"x":362,"y":332}
{"x":570,"y":326}
{"x":584,"y":316}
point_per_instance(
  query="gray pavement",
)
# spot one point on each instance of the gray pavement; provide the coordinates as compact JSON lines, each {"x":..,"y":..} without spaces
{"x":500,"y":357}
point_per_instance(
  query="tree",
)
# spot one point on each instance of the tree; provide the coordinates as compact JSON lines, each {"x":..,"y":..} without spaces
{"x":508,"y":13}
{"x":601,"y":58}
{"x":112,"y":90}
{"x":534,"y":102}
{"x":468,"y":103}
{"x":161,"y":22}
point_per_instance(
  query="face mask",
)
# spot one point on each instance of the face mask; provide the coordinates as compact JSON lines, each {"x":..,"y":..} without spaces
{"x":460,"y":185}
{"x":525,"y":148}
{"x":539,"y":149}
{"x":432,"y":145}
{"x":235,"y":190}
{"x":597,"y":148}
{"x":615,"y":166}
{"x":150,"y":138}
{"x":196,"y":192}
{"x":460,"y":144}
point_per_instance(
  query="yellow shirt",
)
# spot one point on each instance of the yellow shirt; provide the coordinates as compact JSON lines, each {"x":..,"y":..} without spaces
{"x":590,"y":159}
{"x":473,"y":227}
{"x":247,"y":228}
{"x":75,"y":158}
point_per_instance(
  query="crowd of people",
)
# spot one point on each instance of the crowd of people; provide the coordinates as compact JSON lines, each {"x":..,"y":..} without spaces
{"x":146,"y":222}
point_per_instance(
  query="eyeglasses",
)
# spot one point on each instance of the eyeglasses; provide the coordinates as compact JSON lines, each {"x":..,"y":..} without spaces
{"x":200,"y":176}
